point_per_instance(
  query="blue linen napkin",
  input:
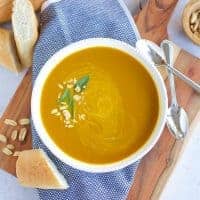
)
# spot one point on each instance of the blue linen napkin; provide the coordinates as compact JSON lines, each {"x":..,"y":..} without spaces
{"x":62,"y":23}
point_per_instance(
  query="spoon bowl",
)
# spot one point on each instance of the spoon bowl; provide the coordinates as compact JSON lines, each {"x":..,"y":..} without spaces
{"x":177,"y":122}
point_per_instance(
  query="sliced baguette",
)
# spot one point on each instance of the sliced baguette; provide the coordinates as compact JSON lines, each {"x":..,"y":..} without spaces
{"x":35,"y":169}
{"x":8,"y":54}
{"x":25,"y":28}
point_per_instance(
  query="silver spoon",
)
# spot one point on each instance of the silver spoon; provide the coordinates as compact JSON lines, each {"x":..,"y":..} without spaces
{"x":154,"y":54}
{"x":177,"y":119}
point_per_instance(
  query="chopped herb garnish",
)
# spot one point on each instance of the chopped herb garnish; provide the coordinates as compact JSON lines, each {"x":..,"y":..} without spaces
{"x":71,"y":108}
{"x":82,"y":83}
{"x":67,"y":97}
{"x":67,"y":100}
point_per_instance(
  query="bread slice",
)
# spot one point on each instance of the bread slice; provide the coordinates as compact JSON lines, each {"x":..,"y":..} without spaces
{"x":35,"y":169}
{"x":8,"y":54}
{"x":25,"y":28}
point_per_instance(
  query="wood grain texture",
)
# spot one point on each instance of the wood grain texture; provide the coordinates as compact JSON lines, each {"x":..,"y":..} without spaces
{"x":19,"y":107}
{"x":152,"y":20}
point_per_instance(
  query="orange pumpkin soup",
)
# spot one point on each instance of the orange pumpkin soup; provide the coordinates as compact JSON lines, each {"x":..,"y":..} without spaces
{"x":99,"y":105}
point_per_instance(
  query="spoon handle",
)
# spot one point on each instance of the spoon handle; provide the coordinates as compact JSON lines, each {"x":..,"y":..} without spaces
{"x":184,"y":78}
{"x":168,"y":50}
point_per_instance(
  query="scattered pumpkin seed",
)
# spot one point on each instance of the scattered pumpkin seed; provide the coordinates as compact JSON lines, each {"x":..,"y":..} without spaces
{"x":77,"y":89}
{"x":66,"y":114}
{"x":3,"y":138}
{"x":77,"y":97}
{"x":10,"y":146}
{"x":7,"y":151}
{"x":14,"y":135}
{"x":54,"y":111}
{"x":24,"y":121}
{"x":10,"y":122}
{"x":22,"y":134}
{"x":60,"y":86}
{"x":64,"y":107}
{"x":70,"y":86}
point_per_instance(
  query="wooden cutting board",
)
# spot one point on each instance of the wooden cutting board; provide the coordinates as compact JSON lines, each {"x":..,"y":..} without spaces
{"x":156,"y":167}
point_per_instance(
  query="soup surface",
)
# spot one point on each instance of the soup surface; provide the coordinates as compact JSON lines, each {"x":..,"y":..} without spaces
{"x":99,"y":105}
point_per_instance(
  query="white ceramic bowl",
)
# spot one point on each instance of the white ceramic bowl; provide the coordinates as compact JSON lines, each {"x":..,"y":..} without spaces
{"x":36,"y":96}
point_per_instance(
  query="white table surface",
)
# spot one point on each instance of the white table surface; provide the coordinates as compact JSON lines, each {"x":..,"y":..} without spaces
{"x":184,"y":183}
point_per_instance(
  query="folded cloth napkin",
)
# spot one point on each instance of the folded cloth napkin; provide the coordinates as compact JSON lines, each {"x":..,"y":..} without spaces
{"x":64,"y":22}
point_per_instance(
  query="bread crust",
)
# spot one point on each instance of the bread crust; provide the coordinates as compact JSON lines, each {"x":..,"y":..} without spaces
{"x":8,"y":54}
{"x":6,"y":8}
{"x":35,"y":169}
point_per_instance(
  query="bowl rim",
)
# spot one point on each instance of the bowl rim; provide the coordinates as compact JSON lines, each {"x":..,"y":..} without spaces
{"x":52,"y":63}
